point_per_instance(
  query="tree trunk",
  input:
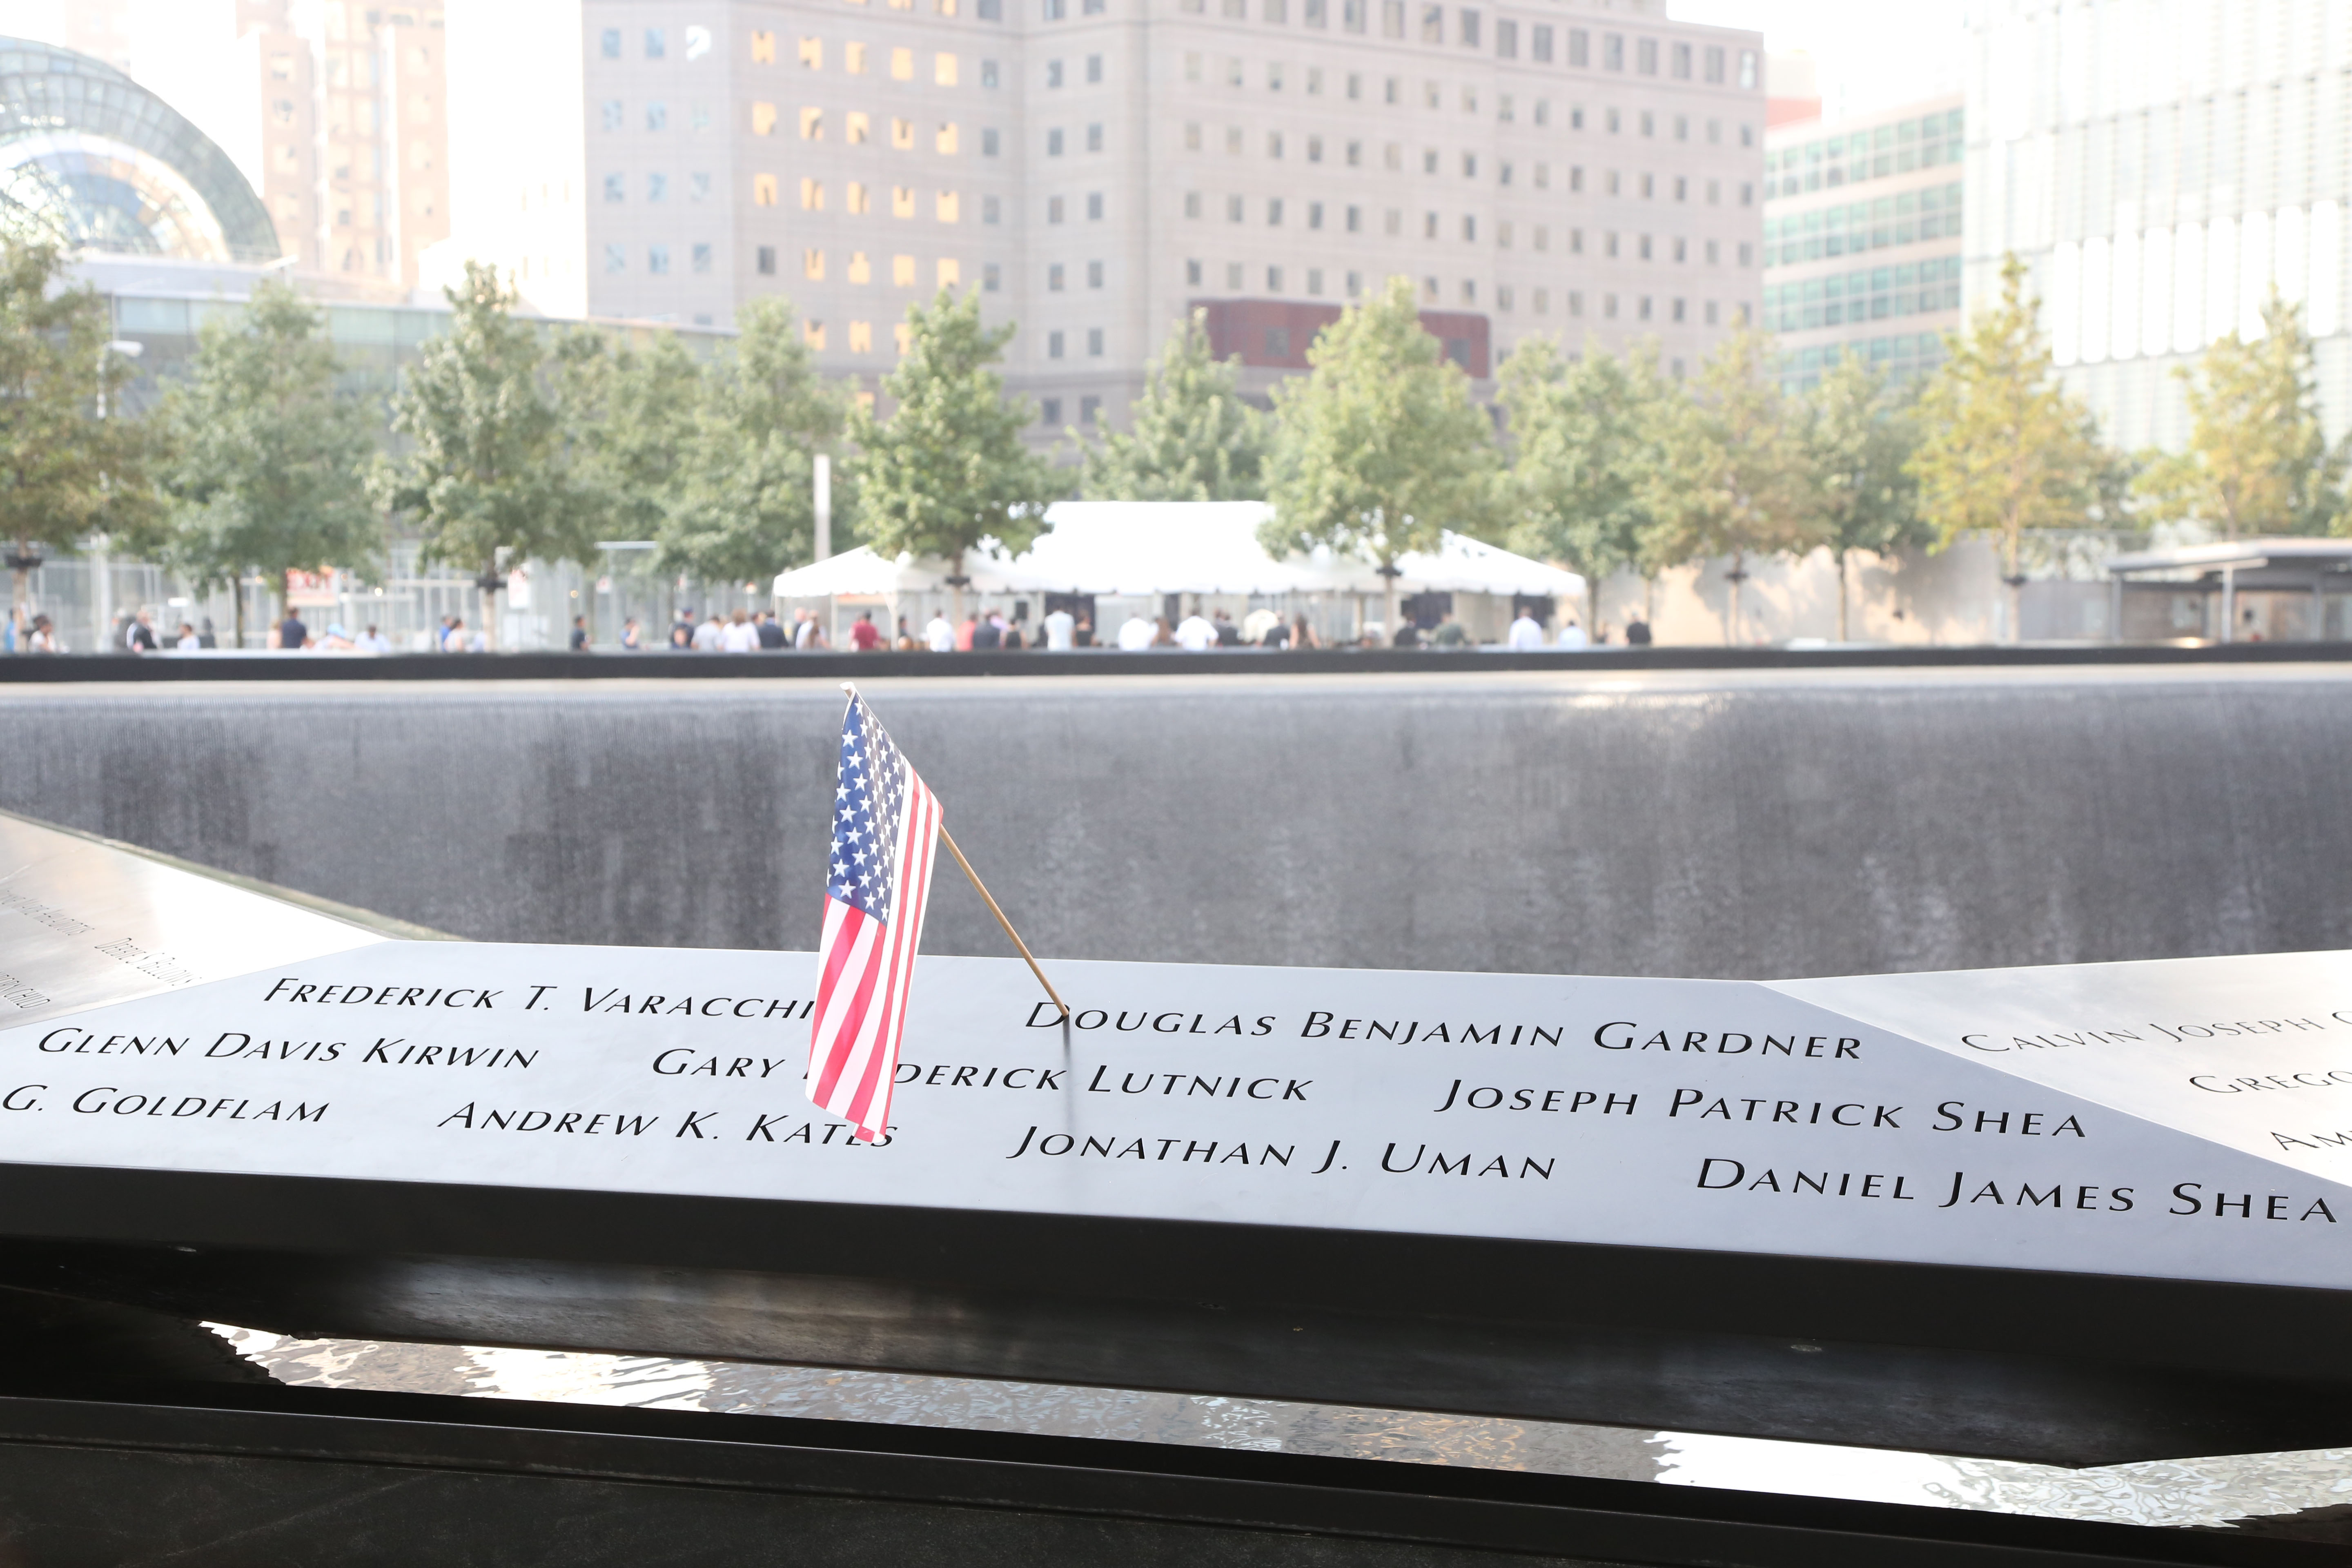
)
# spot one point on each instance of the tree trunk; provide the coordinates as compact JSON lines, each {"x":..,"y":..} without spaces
{"x":486,"y":592}
{"x":20,"y":599}
{"x":2016,"y":591}
{"x":236,"y":594}
{"x":1391,"y":608}
{"x":1841,"y":576}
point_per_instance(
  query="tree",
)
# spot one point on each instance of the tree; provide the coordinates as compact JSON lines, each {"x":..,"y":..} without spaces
{"x":1379,"y":449}
{"x":489,"y":469}
{"x":270,"y":457}
{"x":2258,"y":460}
{"x":65,"y":470}
{"x":1192,"y":438}
{"x":1858,"y":436}
{"x":629,"y":418}
{"x":746,"y":508}
{"x":1584,"y":438}
{"x":948,"y":471}
{"x":1731,"y":478}
{"x":2005,"y":450}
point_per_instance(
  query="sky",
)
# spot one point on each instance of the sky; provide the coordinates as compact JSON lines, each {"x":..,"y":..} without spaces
{"x":1871,"y":53}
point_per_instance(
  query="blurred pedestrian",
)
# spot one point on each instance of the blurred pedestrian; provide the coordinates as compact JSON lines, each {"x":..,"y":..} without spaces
{"x":204,"y":634}
{"x":1061,"y":631}
{"x":1196,"y":634}
{"x":939,"y":635}
{"x":1274,"y":635}
{"x":1407,"y":635}
{"x":708,"y":634}
{"x":44,"y":637}
{"x":632,"y":640}
{"x":1527,"y":633}
{"x":987,"y":634}
{"x":1302,"y":636}
{"x":864,"y":635}
{"x":139,"y":636}
{"x":374,"y":641}
{"x":1572,"y":637}
{"x":1160,"y":636}
{"x":738,"y":634}
{"x":906,"y":641}
{"x":1013,"y":639}
{"x":1637,"y":632}
{"x":771,"y":632}
{"x":1137,"y":634}
{"x":292,"y":632}
{"x":964,"y":633}
{"x":681,"y":633}
{"x":187,"y":641}
{"x":1450,"y":632}
{"x":579,"y":633}
{"x":1083,"y":634}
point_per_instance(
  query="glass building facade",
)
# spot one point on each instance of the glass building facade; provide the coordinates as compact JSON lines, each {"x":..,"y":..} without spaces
{"x":1863,"y":221}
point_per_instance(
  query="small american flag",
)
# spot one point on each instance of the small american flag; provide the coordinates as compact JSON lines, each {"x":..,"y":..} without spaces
{"x":885,"y":830}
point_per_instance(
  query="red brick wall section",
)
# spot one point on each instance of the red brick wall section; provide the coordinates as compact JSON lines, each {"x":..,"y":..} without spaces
{"x":1273,"y":334}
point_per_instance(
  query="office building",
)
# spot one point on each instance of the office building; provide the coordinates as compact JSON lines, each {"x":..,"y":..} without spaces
{"x":333,"y":110}
{"x":1861,"y":238}
{"x":2160,"y":167}
{"x":1095,"y":168}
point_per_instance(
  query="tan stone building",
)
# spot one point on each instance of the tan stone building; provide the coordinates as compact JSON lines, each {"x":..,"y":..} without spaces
{"x":1095,"y":168}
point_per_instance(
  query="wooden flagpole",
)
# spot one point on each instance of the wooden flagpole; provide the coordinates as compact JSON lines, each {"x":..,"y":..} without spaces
{"x":1027,"y":957}
{"x":949,"y":839}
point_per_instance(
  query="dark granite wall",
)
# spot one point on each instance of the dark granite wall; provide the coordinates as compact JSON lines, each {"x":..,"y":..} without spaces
{"x":1740,"y":825}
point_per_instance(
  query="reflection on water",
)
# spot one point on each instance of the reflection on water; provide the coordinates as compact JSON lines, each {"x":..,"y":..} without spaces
{"x":2211,"y":1492}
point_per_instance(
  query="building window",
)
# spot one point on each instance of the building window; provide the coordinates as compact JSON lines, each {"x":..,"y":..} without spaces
{"x":1094,"y":342}
{"x":813,"y":265}
{"x":1090,"y":408}
{"x":1053,"y":143}
{"x":1576,"y":302}
{"x":1432,"y":24}
{"x":1315,"y":215}
{"x":1746,"y":253}
{"x":702,"y":258}
{"x":1542,"y":237}
{"x":1054,"y":349}
{"x":1192,"y":203}
{"x":812,"y":124}
{"x":1094,"y":274}
{"x":1355,"y":284}
{"x":944,"y":140}
{"x":1274,"y":212}
{"x":1094,"y":67}
{"x":812,"y":195}
{"x":861,"y":337}
{"x":1645,"y":56}
{"x":1678,"y":310}
{"x":1273,"y":280}
{"x":1233,"y":275}
{"x":1469,"y":228}
{"x":1234,"y":212}
{"x":617,"y":187}
{"x":902,"y":273}
{"x":812,"y":54}
{"x":992,"y":277}
{"x":657,"y":44}
{"x":1748,"y":68}
{"x":657,"y":187}
{"x":1094,"y":206}
{"x":1355,"y":220}
{"x":611,"y":43}
{"x":1049,"y":411}
{"x":988,"y":77}
{"x":1315,"y":149}
{"x":988,"y":143}
{"x":943,"y":70}
{"x":1393,"y":221}
{"x":1191,"y":274}
{"x":991,"y":210}
{"x":1094,"y":138}
{"x":947,"y":206}
{"x":1506,"y":38}
{"x":1053,"y":209}
{"x":1613,"y":55}
{"x":764,"y":261}
{"x":860,"y":269}
{"x":1579,"y":48}
{"x":1315,"y":280}
{"x":616,"y":259}
{"x":615,"y":114}
{"x":1714,"y":63}
{"x":1645,"y":306}
{"x":1710,"y":312}
{"x":1053,"y":279}
{"x":697,"y":187}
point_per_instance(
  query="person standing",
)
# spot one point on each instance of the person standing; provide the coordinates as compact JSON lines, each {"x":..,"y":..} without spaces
{"x":374,"y":641}
{"x":987,"y":635}
{"x":939,"y":635}
{"x":579,"y":633}
{"x":681,"y":634}
{"x":205,"y":637}
{"x":1572,"y":637}
{"x":739,"y":635}
{"x":44,"y":637}
{"x":771,"y":632}
{"x":1450,"y":632}
{"x":1061,"y":631}
{"x":187,"y":641}
{"x":1637,"y":632}
{"x":1196,"y":634}
{"x":1527,"y":633}
{"x":1228,"y":634}
{"x":864,"y":635}
{"x":707,"y":635}
{"x":1083,"y":634}
{"x":139,"y":635}
{"x":632,"y":640}
{"x":292,"y":633}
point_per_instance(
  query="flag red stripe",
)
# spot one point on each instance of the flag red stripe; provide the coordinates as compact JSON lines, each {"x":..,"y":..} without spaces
{"x":916,"y":835}
{"x":853,"y":1032}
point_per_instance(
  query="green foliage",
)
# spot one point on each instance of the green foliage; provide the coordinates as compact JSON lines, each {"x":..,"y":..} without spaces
{"x":1379,"y":448}
{"x":1584,"y":438}
{"x":1194,"y":438}
{"x":1859,"y":436}
{"x":269,"y":456}
{"x":2005,"y":450}
{"x":2258,"y":461}
{"x":629,"y":416}
{"x":65,"y":473}
{"x":490,"y":467}
{"x":1732,"y":476}
{"x":744,"y":507}
{"x":948,"y":469}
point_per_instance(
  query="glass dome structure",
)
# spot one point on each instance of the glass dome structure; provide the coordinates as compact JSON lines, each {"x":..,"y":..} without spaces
{"x":89,"y":155}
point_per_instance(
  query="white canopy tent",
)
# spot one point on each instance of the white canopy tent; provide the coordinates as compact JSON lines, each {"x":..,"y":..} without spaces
{"x":1138,"y":554}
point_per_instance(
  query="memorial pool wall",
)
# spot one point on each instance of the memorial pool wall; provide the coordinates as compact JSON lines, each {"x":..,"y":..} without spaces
{"x":1738,"y":824}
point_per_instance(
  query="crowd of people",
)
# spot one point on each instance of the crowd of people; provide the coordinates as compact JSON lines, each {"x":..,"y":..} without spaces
{"x":759,"y":631}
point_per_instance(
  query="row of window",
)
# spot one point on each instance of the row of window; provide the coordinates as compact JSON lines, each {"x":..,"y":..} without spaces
{"x":1866,"y":296}
{"x":1681,"y":60}
{"x":1895,"y":149}
{"x":1902,"y":356}
{"x":1931,"y":214}
{"x":1608,"y":306}
{"x":904,"y":271}
{"x":857,"y":129}
{"x":1432,"y":162}
{"x":857,"y":58}
{"x":616,"y":259}
{"x":1232,"y":72}
{"x":857,"y":340}
{"x":1350,"y":220}
{"x":859,"y":198}
{"x":1049,"y":411}
{"x":695,"y":42}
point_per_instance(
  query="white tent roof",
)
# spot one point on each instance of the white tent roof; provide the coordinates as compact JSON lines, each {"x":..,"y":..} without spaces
{"x":1178,"y":547}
